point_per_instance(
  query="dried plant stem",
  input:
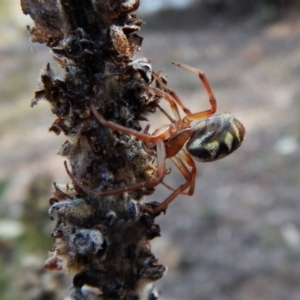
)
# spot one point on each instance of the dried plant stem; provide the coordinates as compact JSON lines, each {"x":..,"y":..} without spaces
{"x":102,"y":241}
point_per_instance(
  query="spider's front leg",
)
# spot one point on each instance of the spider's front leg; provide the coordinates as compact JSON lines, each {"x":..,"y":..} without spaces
{"x":162,"y":134}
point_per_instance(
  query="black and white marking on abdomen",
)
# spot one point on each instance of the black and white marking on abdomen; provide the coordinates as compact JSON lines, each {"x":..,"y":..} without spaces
{"x":216,"y":137}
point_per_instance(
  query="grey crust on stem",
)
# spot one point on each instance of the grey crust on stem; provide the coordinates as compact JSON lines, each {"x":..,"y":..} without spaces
{"x":103,"y":242}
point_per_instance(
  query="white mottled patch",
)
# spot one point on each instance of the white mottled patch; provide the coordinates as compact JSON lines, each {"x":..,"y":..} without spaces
{"x":237,"y":133}
{"x":228,"y":140}
{"x":88,"y":290}
{"x":197,"y":143}
{"x":212,"y":148}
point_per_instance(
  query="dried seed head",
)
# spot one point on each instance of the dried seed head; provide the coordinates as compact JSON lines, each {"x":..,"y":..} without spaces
{"x":119,"y":40}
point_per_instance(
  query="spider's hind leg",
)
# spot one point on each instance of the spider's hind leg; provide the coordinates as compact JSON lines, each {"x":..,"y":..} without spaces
{"x":193,"y":173}
{"x":189,"y":180}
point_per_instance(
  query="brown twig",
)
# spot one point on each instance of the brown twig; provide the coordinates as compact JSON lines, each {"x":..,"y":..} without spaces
{"x":102,"y":241}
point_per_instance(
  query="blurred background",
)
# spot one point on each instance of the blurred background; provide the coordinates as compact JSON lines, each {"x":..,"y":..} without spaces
{"x":238,"y":237}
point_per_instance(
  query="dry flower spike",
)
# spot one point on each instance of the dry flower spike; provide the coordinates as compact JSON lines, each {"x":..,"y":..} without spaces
{"x":102,"y":241}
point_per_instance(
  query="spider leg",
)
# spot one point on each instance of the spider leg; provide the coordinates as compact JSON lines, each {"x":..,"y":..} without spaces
{"x":185,"y":172}
{"x":160,"y":173}
{"x":167,"y":97}
{"x":173,"y":189}
{"x":193,"y":173}
{"x":162,"y":134}
{"x":148,"y":149}
{"x":172,"y":93}
{"x":166,"y":114}
{"x":208,"y":89}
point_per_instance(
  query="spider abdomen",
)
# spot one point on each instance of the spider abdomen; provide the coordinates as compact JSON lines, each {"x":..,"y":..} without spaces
{"x":216,"y":137}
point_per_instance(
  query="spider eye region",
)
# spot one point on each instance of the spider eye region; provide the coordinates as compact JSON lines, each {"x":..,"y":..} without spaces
{"x":216,"y":137}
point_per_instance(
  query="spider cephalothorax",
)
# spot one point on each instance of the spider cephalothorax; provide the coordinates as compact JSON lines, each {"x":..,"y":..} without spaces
{"x":212,"y":138}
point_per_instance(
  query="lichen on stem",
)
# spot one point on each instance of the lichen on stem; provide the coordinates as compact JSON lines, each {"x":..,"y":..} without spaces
{"x":102,"y":241}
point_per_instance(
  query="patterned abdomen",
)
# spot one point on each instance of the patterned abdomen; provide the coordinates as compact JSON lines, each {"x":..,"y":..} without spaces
{"x":216,"y":137}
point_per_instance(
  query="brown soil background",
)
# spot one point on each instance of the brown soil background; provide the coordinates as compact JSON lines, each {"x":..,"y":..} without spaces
{"x":238,"y":237}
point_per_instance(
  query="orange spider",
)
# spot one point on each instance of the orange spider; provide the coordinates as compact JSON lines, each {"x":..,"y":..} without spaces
{"x":214,"y":137}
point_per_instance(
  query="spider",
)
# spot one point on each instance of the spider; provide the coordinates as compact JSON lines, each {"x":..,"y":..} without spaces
{"x":215,"y":136}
